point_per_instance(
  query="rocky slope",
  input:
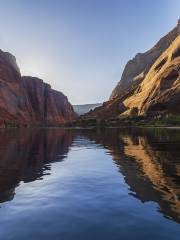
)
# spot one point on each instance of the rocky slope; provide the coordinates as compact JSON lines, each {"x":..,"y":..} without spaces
{"x":27,"y":100}
{"x":157,"y":92}
{"x":136,"y":69}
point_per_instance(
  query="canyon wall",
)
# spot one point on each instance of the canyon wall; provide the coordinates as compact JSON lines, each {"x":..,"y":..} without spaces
{"x":150,"y":84}
{"x":137,"y":68}
{"x":28,"y":100}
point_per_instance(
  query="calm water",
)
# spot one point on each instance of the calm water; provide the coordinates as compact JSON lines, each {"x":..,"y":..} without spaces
{"x":89,"y":185}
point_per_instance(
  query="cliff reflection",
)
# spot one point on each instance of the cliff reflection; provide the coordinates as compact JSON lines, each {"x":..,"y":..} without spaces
{"x":25,"y":155}
{"x":150,"y":163}
{"x":149,"y":160}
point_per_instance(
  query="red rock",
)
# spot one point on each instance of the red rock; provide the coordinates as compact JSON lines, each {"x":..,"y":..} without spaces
{"x":137,"y":68}
{"x":156,"y":93}
{"x":28,"y":100}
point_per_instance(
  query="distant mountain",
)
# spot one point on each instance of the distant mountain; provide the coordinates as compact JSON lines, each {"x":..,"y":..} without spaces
{"x":84,"y":108}
{"x":28,"y":100}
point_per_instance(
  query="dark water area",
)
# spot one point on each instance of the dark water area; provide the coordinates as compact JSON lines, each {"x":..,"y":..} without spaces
{"x":90,"y":184}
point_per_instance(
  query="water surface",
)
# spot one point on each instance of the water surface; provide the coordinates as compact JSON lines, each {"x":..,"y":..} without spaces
{"x":89,"y":184}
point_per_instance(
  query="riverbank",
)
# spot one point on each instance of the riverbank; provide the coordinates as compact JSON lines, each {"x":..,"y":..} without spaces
{"x":91,"y":123}
{"x":139,"y":121}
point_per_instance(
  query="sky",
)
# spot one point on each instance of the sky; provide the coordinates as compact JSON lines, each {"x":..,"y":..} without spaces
{"x":80,"y":47}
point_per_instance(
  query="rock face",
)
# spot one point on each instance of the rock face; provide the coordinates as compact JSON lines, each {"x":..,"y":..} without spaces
{"x":159,"y":93}
{"x":44,"y":104}
{"x":156,"y":91}
{"x":28,"y":100}
{"x":137,"y":68}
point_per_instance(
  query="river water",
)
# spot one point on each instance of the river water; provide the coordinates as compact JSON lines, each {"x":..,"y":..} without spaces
{"x":90,"y":184}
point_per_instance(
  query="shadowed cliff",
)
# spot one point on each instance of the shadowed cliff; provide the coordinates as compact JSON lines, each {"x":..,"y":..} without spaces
{"x":28,"y":100}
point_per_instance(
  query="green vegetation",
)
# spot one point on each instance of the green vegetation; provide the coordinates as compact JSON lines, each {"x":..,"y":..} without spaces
{"x":131,"y":121}
{"x":165,"y":121}
{"x":128,"y":121}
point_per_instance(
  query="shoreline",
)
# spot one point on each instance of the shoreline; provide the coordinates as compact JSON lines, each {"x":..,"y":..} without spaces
{"x":93,"y":127}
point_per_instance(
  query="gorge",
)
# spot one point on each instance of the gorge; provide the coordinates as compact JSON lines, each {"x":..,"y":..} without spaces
{"x":96,"y":156}
{"x":149,"y":86}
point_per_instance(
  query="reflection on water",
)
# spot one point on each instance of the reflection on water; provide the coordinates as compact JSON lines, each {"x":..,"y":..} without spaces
{"x":150,"y":163}
{"x":25,"y":155}
{"x":148,"y":160}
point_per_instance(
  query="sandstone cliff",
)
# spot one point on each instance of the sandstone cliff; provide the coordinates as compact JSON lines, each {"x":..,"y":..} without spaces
{"x":46,"y":105}
{"x":137,"y":68}
{"x":28,"y":100}
{"x":157,"y":92}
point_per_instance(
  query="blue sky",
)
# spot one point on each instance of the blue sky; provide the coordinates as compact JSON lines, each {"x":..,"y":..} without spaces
{"x":80,"y":47}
